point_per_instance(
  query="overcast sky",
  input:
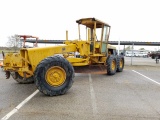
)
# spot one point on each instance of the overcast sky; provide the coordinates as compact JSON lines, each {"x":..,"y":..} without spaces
{"x":131,"y":20}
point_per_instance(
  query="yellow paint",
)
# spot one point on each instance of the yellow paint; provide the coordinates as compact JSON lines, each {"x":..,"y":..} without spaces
{"x":89,"y":52}
{"x":113,"y":65}
{"x":121,"y":63}
{"x":55,"y":76}
{"x":21,"y":73}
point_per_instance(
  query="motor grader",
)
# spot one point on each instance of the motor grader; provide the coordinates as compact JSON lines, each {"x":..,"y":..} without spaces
{"x":53,"y":68}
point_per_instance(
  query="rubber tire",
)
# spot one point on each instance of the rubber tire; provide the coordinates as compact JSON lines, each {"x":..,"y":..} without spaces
{"x":2,"y":68}
{"x":109,"y":65}
{"x":41,"y":70}
{"x":20,"y":79}
{"x":119,"y":58}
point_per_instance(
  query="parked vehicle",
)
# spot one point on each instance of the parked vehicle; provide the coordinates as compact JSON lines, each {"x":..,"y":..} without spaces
{"x":129,"y":54}
{"x":136,"y":53}
{"x":155,"y":54}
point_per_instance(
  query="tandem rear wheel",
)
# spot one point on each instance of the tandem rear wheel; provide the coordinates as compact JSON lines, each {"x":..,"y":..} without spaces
{"x":111,"y":65}
{"x":120,"y":63}
{"x":114,"y":64}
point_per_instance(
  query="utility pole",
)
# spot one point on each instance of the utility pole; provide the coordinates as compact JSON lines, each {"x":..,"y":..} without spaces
{"x":132,"y":53}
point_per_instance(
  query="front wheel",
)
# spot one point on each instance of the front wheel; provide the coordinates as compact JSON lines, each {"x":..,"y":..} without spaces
{"x":54,"y":76}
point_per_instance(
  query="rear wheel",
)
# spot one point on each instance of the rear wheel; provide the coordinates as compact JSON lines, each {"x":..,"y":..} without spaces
{"x":120,"y":63}
{"x":16,"y":76}
{"x":54,"y":76}
{"x":111,"y":65}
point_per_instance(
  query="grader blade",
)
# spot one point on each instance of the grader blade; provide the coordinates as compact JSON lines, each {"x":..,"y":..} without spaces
{"x":93,"y":69}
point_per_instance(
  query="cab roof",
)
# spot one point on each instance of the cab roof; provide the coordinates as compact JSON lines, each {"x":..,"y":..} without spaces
{"x":89,"y":22}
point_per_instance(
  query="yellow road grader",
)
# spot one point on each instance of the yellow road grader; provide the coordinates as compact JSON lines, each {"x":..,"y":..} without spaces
{"x":53,"y":68}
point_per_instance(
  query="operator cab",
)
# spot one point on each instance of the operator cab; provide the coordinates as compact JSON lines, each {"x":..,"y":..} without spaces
{"x":98,"y":34}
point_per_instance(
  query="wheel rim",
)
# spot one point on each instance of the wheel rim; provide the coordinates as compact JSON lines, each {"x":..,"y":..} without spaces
{"x":55,"y":76}
{"x":121,"y":63}
{"x":113,"y":65}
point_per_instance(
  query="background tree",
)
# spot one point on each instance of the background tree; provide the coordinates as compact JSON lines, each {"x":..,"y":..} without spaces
{"x":14,"y":42}
{"x":128,"y":48}
{"x":141,"y":49}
